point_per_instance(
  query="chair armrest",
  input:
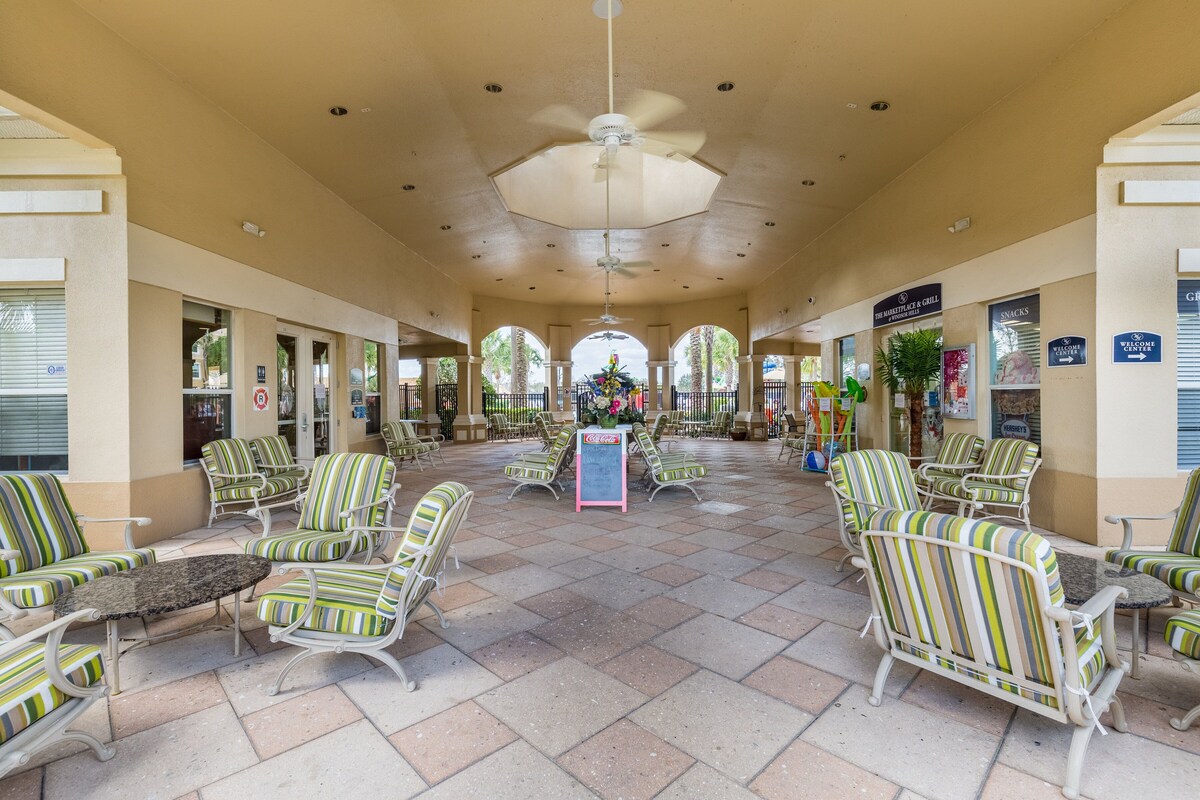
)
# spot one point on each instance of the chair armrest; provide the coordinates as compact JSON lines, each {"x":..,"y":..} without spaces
{"x":240,"y":476}
{"x":924,"y":468}
{"x":1126,"y":521}
{"x":302,"y":467}
{"x":985,"y":478}
{"x":856,"y":501}
{"x":387,"y":498}
{"x":141,"y":522}
{"x":9,"y":555}
{"x":53,"y":632}
{"x":1102,"y":606}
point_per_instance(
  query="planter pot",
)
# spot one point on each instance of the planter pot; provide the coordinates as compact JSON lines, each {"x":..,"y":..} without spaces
{"x":737,"y":436}
{"x":608,"y":422}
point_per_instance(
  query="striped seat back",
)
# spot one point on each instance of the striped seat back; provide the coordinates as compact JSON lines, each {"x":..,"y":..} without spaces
{"x":408,"y":431}
{"x":873,"y":476}
{"x":960,"y":448}
{"x":649,"y":450}
{"x":546,"y":417}
{"x":272,"y":451}
{"x":968,"y":605}
{"x":1185,"y":537}
{"x":393,"y":437}
{"x":543,"y":430}
{"x":342,"y":481}
{"x":1009,"y":457}
{"x":228,"y":457}
{"x":563,"y":447}
{"x":36,"y":520}
{"x":433,"y":522}
{"x":499,"y":422}
{"x":660,"y":425}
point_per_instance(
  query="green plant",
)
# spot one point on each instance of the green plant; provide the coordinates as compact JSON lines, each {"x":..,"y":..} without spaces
{"x":912,"y":361}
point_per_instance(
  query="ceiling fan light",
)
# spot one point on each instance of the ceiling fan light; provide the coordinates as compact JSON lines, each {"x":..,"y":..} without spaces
{"x":600,"y":8}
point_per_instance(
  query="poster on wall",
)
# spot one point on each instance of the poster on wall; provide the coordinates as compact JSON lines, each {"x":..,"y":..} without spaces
{"x":356,"y":376}
{"x":958,"y":382}
{"x":356,"y":397}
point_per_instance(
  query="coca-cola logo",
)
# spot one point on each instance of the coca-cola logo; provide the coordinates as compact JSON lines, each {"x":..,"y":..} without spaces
{"x":602,"y":438}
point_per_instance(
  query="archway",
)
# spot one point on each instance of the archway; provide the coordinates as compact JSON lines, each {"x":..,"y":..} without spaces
{"x":591,"y":353}
{"x":698,"y":349}
{"x":513,"y":361}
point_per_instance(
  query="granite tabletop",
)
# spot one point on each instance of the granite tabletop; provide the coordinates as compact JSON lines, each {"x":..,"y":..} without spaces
{"x":165,"y":586}
{"x":1083,"y":577}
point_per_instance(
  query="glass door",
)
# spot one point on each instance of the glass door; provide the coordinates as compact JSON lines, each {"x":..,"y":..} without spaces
{"x":305,"y":362}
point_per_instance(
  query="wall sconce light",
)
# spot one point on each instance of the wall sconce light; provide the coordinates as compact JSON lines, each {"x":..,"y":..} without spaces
{"x":253,"y":230}
{"x":960,"y":225}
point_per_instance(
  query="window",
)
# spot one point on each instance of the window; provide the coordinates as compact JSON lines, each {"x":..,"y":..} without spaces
{"x":207,"y":387}
{"x":371,"y":357}
{"x":845,"y":359}
{"x":33,"y":379}
{"x":1188,"y":374}
{"x":1016,"y":360}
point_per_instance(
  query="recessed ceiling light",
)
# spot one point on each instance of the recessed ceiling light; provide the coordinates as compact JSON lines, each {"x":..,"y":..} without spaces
{"x":499,"y":279}
{"x":445,"y":227}
{"x":558,"y":270}
{"x":493,"y":88}
{"x":531,"y":288}
{"x":687,"y":287}
{"x":808,"y":183}
{"x":665,"y":244}
{"x":658,"y":270}
{"x":551,"y":244}
{"x":880,"y":105}
{"x":741,"y":255}
{"x":727,"y":86}
{"x":720,"y":279}
{"x":769,"y":224}
{"x":476,"y":256}
{"x":338,"y":111}
{"x":408,"y":187}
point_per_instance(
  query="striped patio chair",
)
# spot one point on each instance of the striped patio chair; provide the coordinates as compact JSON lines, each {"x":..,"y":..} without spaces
{"x":547,"y":417}
{"x":1182,"y":633}
{"x":959,"y":454}
{"x":364,"y":608}
{"x":433,"y":444}
{"x":401,"y":449}
{"x":543,"y":433}
{"x":865,"y":482}
{"x":1001,"y":481}
{"x":45,"y":686}
{"x":544,"y":469}
{"x":274,"y":459}
{"x":666,"y":470}
{"x":43,"y":552}
{"x":236,"y":485}
{"x":349,"y":495}
{"x":982,"y":605}
{"x":1179,"y":565}
{"x":503,"y":428}
{"x":718,"y":427}
{"x":646,"y":444}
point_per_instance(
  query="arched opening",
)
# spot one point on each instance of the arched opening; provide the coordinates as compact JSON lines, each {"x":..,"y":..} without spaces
{"x":514,"y":375}
{"x":593,"y":352}
{"x":706,"y":373}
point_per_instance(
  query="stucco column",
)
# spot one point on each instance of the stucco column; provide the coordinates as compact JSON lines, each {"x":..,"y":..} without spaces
{"x":651,"y":403}
{"x":789,"y":383}
{"x":552,"y":384}
{"x":568,"y":391}
{"x":470,"y":425}
{"x":668,"y":368}
{"x":429,"y":398}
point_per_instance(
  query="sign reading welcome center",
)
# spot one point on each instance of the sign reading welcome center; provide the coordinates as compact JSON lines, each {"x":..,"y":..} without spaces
{"x":919,"y":301}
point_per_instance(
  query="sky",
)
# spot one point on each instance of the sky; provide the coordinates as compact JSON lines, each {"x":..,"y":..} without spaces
{"x":592,"y":354}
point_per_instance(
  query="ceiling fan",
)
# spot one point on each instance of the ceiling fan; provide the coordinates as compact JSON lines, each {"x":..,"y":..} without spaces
{"x":632,"y":128}
{"x":607,"y":317}
{"x":608,"y":336}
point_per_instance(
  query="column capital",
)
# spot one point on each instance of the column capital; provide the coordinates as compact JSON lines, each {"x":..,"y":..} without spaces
{"x":469,"y":359}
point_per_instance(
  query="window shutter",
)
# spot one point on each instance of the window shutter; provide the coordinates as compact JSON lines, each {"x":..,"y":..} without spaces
{"x":1188,"y":368}
{"x":33,"y":377}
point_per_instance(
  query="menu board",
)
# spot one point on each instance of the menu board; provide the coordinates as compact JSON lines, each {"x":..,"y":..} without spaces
{"x":600,"y":469}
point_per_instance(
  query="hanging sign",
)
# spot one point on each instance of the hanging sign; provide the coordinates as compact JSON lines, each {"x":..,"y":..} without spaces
{"x":260,"y":398}
{"x":1066,"y":351}
{"x":919,"y":301}
{"x":1137,"y":347}
{"x":600,"y":469}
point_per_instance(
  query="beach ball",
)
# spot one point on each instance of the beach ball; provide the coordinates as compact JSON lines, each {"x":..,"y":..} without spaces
{"x":815,"y":460}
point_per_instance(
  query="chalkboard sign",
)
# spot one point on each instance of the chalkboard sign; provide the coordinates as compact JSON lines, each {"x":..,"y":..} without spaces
{"x":600,"y":469}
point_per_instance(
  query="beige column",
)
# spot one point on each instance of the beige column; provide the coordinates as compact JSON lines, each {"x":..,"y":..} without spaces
{"x":651,"y":401}
{"x":429,"y":399}
{"x":789,"y":383}
{"x":568,"y":390}
{"x":470,"y":425}
{"x":668,"y":382}
{"x":552,"y":384}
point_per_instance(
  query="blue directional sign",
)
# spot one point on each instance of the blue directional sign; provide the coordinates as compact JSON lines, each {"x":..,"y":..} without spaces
{"x":1137,"y":347}
{"x":1066,"y":351}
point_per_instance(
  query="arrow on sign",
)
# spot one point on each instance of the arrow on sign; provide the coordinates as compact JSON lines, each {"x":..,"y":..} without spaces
{"x":1067,"y":360}
{"x":1139,"y":356}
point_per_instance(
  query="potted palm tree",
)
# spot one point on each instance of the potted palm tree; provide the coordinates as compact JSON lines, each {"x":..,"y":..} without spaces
{"x":912,"y":361}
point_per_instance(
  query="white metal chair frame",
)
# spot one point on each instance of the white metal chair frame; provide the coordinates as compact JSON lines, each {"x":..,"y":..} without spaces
{"x":373,"y":647}
{"x":968,"y":507}
{"x":354,"y":533}
{"x":225,"y":508}
{"x":1075,"y":705}
{"x":421,"y":448}
{"x":852,"y":541}
{"x":10,"y":612}
{"x":53,"y":728}
{"x":563,"y":461}
{"x":1185,"y":722}
{"x":434,"y":440}
{"x":1127,"y":520}
{"x":792,"y":443}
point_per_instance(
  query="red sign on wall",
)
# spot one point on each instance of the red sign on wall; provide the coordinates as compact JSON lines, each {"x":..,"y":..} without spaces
{"x":260,"y":399}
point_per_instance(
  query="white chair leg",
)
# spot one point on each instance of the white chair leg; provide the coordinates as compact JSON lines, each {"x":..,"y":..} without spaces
{"x":437,"y":612}
{"x":1187,"y":720}
{"x":1117,"y":709}
{"x":657,"y":489}
{"x":845,"y":560}
{"x":5,"y":634}
{"x":881,"y":676}
{"x":388,"y":660}
{"x":688,"y":486}
{"x":303,"y":654}
{"x":103,"y":752}
{"x":1079,"y":743}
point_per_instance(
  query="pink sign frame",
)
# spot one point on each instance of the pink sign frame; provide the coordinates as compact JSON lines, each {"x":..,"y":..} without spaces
{"x":608,"y":437}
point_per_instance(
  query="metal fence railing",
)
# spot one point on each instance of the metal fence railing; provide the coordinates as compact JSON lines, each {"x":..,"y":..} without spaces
{"x":447,"y":400}
{"x":702,"y":406}
{"x":516,"y":408}
{"x":410,"y":401}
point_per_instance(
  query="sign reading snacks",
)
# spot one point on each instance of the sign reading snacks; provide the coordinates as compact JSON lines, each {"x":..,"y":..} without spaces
{"x":600,"y":469}
{"x":919,"y":301}
{"x":1066,"y":351}
{"x":1137,"y":347}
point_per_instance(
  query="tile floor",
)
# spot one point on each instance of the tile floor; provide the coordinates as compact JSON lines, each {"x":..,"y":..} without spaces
{"x":682,"y":651}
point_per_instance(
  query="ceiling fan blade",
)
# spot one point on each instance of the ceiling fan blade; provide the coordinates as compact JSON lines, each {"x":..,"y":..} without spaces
{"x":560,"y":116}
{"x":649,"y":108}
{"x":663,"y":143}
{"x":636,"y":264}
{"x":593,"y":321}
{"x":627,"y":274}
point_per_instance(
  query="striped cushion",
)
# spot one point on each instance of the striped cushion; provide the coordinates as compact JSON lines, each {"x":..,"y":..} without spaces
{"x":873,"y":476}
{"x":37,"y":521}
{"x":528,"y":471}
{"x":1183,"y":633}
{"x":411,"y":435}
{"x":1176,"y":570}
{"x":429,"y":524}
{"x":960,"y":448}
{"x":37,"y":588}
{"x":272,"y":451}
{"x":248,"y":490}
{"x":1185,"y":538}
{"x":307,"y":546}
{"x":680,"y":474}
{"x":925,"y":478}
{"x":343,"y":481}
{"x":27,"y":694}
{"x":228,"y":457}
{"x":971,"y":606}
{"x":978,"y":490}
{"x":1009,"y":457}
{"x":345,"y":603}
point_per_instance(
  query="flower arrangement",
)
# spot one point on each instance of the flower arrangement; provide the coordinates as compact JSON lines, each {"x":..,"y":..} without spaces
{"x":613,"y":394}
